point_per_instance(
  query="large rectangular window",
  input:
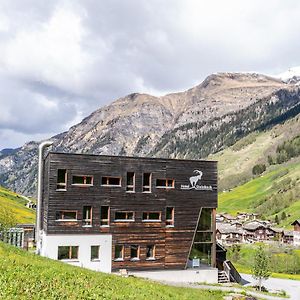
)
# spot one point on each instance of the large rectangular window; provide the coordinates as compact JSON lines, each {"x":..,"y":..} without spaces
{"x":170,"y":216}
{"x":66,"y":215}
{"x":151,"y":216}
{"x":124,"y":216}
{"x":147,"y":182}
{"x":61,"y":179}
{"x":165,"y":183}
{"x":104,"y":216}
{"x":134,"y":252}
{"x":95,"y":253}
{"x":130,"y":184}
{"x":119,"y":252}
{"x":67,"y":252}
{"x":111,"y":181}
{"x":82,"y":180}
{"x":203,"y":240}
{"x":150,"y":252}
{"x":87,"y":216}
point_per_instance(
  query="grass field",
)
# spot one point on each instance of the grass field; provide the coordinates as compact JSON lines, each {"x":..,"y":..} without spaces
{"x":15,"y":204}
{"x":27,"y":276}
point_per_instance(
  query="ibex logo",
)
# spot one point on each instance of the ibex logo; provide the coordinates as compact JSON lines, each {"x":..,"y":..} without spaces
{"x":194,"y":180}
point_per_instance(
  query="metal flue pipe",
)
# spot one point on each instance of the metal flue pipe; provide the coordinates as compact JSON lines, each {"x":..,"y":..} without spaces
{"x":42,"y":146}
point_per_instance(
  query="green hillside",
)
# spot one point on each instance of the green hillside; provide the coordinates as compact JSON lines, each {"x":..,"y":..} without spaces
{"x":274,"y":192}
{"x":26,"y":276}
{"x":14,"y":204}
{"x":236,"y":162}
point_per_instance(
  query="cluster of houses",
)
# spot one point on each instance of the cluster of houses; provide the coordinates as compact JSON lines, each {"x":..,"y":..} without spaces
{"x":247,"y":228}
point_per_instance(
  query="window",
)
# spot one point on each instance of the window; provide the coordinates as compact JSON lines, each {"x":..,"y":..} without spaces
{"x":61,"y":179}
{"x":82,"y":180}
{"x":87,"y":216}
{"x":119,"y":252}
{"x":65,"y":215}
{"x":150,"y":252}
{"x":170,"y":216}
{"x":111,"y":181}
{"x":130,"y":184}
{"x":165,"y":183}
{"x":95,"y":252}
{"x":203,"y":240}
{"x":205,"y":222}
{"x":124,"y":216}
{"x":134,"y":252}
{"x":147,"y":182}
{"x":67,"y":252}
{"x":151,"y":216}
{"x":104,"y":216}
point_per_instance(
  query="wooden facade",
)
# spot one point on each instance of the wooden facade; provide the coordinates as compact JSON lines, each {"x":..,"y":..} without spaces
{"x":172,"y":243}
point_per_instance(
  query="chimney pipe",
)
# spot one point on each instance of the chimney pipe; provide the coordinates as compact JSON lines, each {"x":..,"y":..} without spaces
{"x":42,"y":146}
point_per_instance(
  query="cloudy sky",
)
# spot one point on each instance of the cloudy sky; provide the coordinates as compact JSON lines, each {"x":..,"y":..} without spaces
{"x":61,"y":60}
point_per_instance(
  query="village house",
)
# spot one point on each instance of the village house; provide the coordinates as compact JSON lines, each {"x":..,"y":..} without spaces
{"x":296,"y":232}
{"x":109,"y":213}
{"x":287,"y":237}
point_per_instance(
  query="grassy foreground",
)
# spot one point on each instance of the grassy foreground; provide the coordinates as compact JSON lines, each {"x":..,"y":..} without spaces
{"x":27,"y":276}
{"x":15,"y":204}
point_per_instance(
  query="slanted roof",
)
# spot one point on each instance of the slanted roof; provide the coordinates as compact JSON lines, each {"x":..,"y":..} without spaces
{"x":227,"y":228}
{"x":277,"y":230}
{"x":296,"y":222}
{"x":253,"y":225}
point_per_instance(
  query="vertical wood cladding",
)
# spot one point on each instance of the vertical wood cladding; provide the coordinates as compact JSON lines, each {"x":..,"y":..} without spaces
{"x":172,"y":243}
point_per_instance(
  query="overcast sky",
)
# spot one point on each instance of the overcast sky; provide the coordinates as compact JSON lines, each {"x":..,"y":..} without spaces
{"x":61,"y":60}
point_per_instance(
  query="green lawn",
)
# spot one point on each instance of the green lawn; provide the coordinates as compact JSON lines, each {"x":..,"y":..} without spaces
{"x":27,"y":276}
{"x":15,"y":204}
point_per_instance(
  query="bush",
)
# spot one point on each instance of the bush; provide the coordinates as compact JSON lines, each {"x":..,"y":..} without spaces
{"x":258,"y":169}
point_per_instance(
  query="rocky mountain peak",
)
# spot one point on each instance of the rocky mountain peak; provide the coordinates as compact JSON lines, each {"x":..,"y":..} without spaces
{"x":188,"y":124}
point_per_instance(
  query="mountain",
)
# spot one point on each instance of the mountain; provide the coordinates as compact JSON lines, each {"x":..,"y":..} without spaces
{"x":205,"y":119}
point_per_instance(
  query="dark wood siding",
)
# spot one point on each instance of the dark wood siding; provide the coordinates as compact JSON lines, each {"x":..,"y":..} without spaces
{"x":172,"y":243}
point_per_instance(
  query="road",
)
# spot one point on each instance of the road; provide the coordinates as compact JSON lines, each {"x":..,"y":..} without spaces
{"x":292,"y":287}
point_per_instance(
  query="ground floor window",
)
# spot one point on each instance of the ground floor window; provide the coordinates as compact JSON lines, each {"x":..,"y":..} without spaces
{"x":95,"y":252}
{"x":202,"y":253}
{"x":134,"y":252}
{"x":119,"y":252}
{"x":67,"y":252}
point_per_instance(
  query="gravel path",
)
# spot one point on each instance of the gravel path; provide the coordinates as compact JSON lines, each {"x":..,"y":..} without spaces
{"x":292,"y":287}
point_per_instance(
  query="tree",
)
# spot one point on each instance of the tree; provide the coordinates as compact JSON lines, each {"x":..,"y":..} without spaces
{"x":235,"y":252}
{"x":283,"y":216}
{"x":7,"y":220}
{"x":258,"y":169}
{"x":276,"y":219}
{"x":260,"y":269}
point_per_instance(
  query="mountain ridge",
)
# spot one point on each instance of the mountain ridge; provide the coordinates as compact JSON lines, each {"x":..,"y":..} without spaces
{"x":175,"y":125}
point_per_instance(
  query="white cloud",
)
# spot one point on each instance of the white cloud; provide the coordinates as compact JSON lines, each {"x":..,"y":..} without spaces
{"x":60,"y":60}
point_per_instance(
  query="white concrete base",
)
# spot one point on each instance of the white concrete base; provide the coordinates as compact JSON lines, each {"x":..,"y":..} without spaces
{"x":50,"y":243}
{"x":207,"y":275}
